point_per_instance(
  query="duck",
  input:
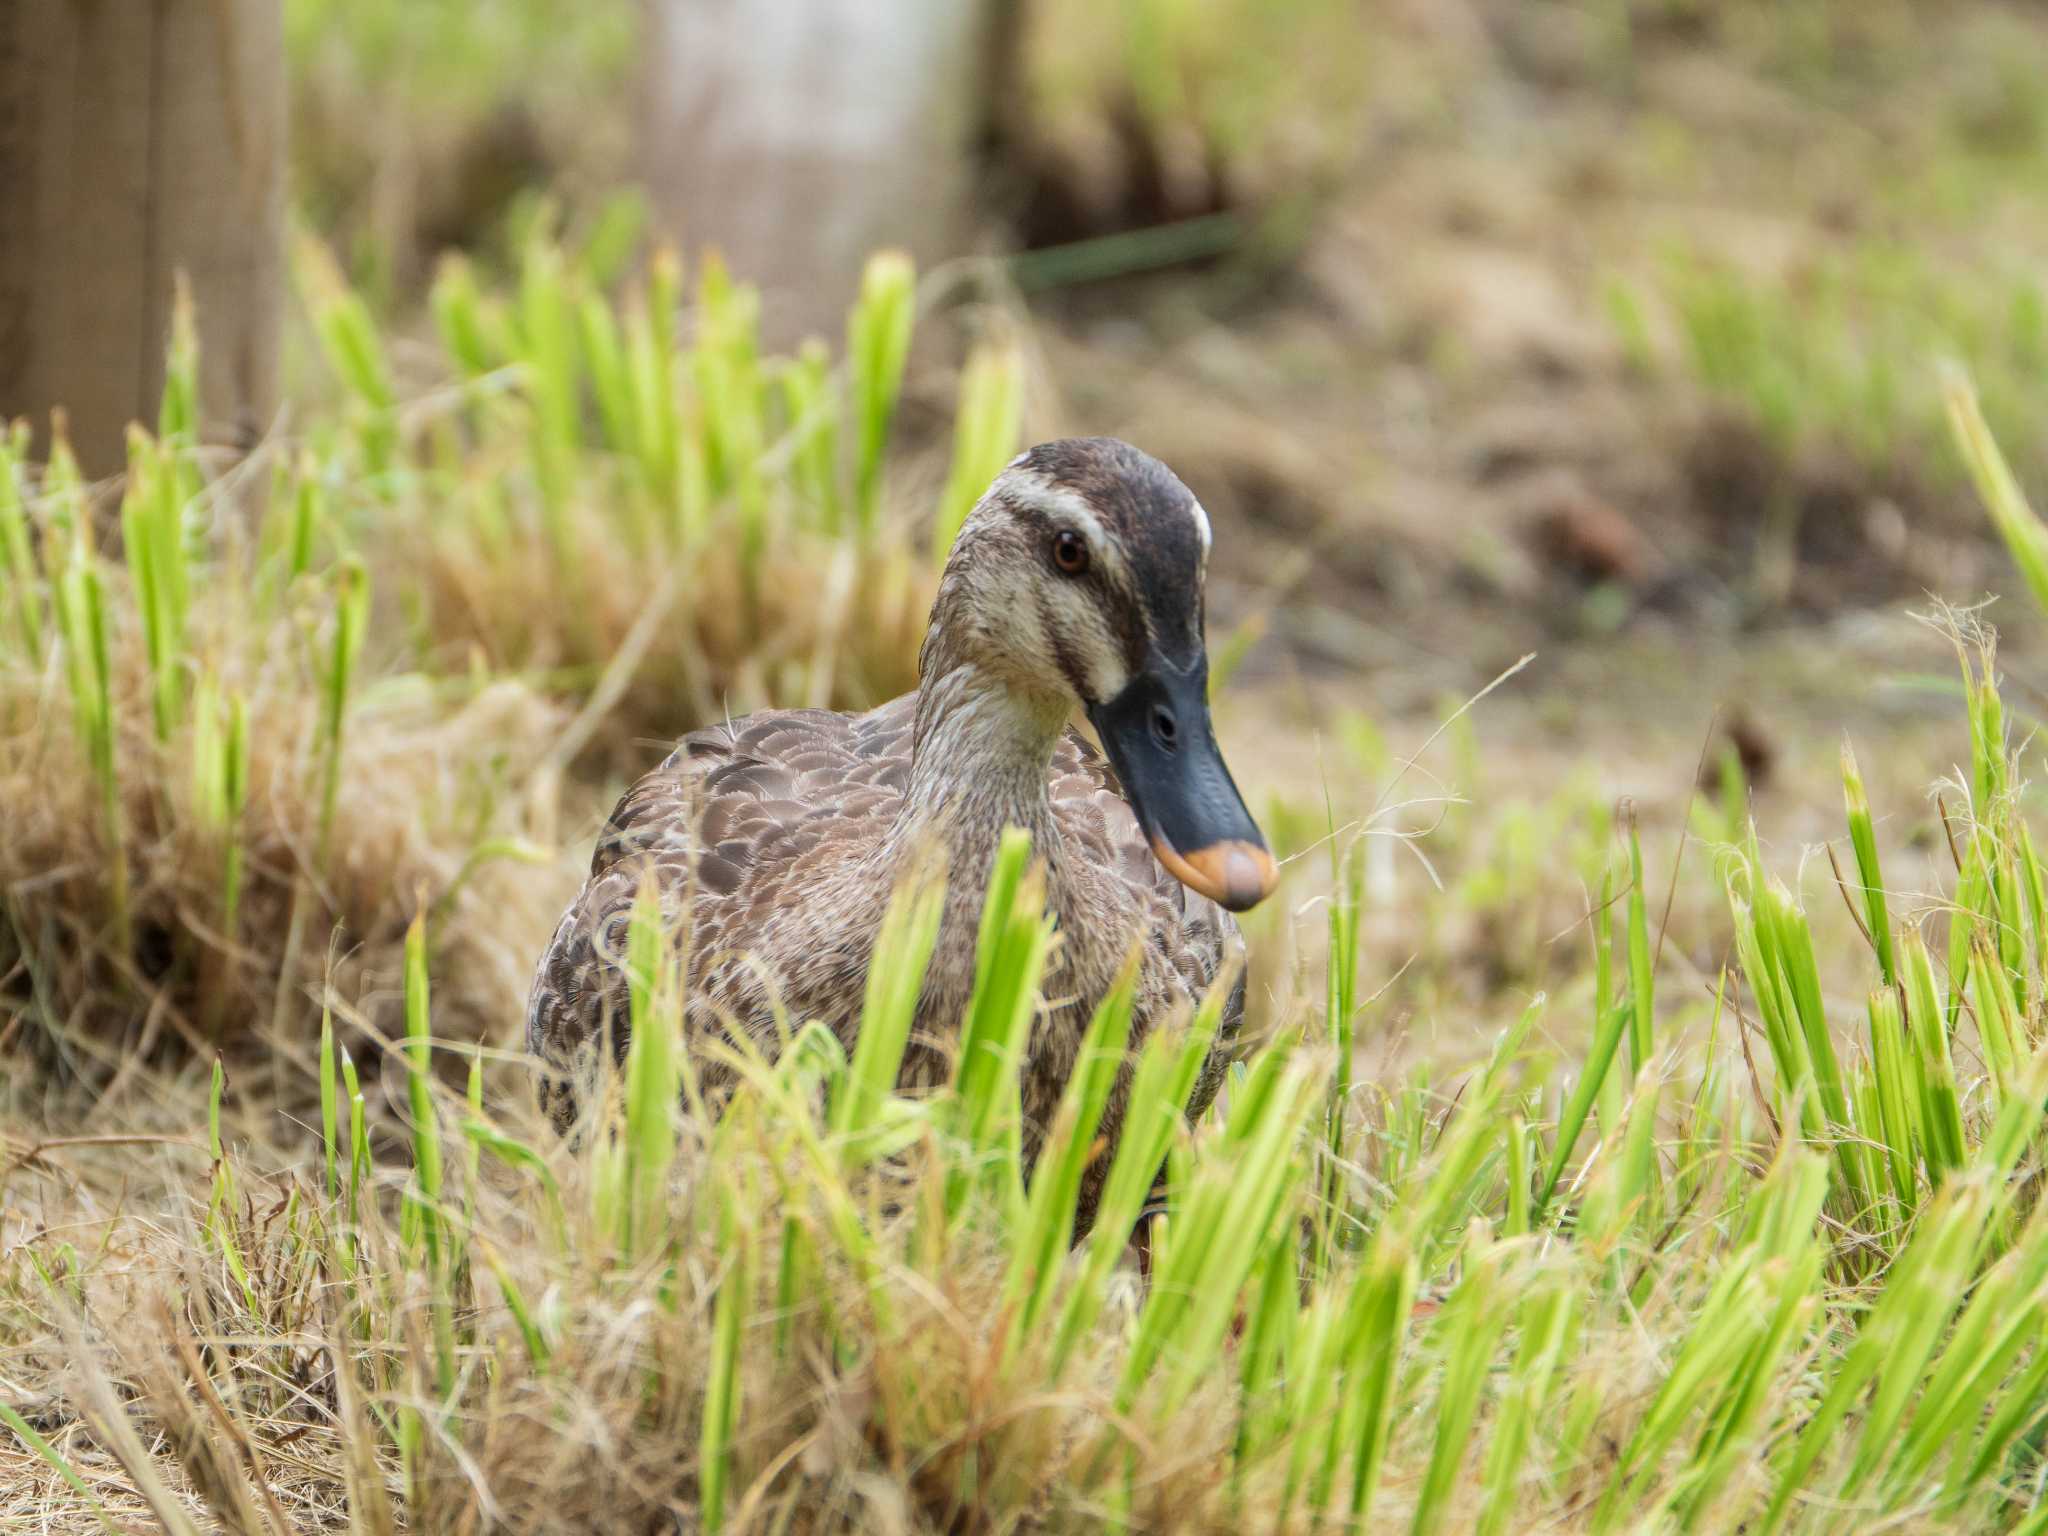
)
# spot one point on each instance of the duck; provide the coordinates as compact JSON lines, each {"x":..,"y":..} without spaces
{"x":775,"y":841}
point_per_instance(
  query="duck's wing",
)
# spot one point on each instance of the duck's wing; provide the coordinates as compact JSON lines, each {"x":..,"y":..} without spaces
{"x":734,"y":815}
{"x":729,"y":793}
{"x":1190,"y":932}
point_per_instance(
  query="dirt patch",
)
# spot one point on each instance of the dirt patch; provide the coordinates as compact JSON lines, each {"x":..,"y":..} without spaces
{"x":1432,"y":414}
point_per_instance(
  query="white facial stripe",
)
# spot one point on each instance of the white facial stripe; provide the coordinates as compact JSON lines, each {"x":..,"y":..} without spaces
{"x":1108,"y":679}
{"x":1071,"y":509}
{"x":1088,"y":638}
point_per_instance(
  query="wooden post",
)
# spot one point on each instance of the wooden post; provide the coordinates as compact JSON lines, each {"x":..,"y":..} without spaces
{"x":797,"y":136}
{"x":139,"y":139}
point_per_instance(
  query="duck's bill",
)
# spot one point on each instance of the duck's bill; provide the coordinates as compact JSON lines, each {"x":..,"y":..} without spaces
{"x":1159,"y":740}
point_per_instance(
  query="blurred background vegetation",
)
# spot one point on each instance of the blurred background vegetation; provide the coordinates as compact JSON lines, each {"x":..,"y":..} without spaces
{"x":1609,"y":330}
{"x":1619,"y":333}
{"x":1613,"y":313}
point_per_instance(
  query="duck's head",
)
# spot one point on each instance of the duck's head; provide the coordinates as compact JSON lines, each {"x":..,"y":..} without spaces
{"x":1077,"y":579}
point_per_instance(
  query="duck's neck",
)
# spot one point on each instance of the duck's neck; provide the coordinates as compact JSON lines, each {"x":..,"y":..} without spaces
{"x":981,"y":753}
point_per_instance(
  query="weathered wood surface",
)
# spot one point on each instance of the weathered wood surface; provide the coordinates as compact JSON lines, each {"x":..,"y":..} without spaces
{"x":138,"y":139}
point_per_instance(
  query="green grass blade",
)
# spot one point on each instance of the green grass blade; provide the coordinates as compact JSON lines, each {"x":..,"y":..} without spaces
{"x":1470,"y":1324}
{"x":2025,"y":535}
{"x":895,"y":980}
{"x":877,"y":350}
{"x":427,"y":1161}
{"x":1041,"y":1243}
{"x":986,"y":425}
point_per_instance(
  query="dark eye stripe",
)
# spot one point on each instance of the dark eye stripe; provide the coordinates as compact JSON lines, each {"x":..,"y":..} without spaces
{"x":1063,"y":653}
{"x":1126,"y":612}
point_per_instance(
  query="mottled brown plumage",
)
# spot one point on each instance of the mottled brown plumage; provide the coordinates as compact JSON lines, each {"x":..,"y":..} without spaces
{"x":775,"y":840}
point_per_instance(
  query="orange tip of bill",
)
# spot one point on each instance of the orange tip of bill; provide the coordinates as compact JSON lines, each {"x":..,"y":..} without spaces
{"x":1236,"y":875}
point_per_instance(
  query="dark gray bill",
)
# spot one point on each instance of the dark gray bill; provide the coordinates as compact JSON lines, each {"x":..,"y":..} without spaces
{"x":1160,"y":742}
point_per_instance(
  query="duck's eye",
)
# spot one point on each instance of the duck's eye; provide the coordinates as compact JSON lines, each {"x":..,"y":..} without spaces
{"x":1069,"y":552}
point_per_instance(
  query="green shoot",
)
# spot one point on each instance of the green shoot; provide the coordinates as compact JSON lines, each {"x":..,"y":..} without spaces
{"x":877,"y":351}
{"x":986,"y":424}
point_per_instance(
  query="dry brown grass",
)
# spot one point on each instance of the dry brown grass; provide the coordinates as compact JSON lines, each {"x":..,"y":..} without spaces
{"x":432,"y":771}
{"x":673,"y":640}
{"x":146,"y":1340}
